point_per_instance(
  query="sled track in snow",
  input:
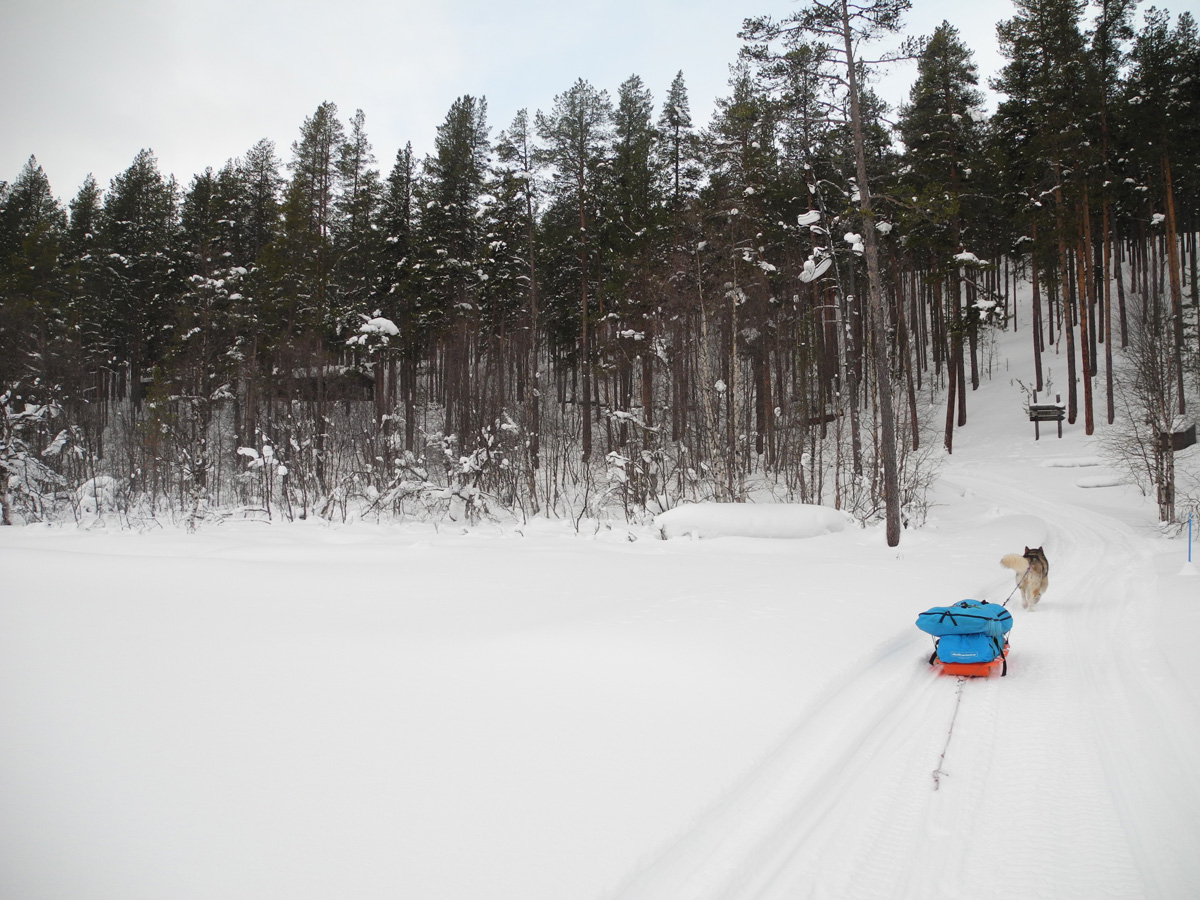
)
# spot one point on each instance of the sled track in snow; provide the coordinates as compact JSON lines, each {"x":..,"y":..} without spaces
{"x":767,"y":830}
{"x":1005,"y":822}
{"x":1089,"y":687}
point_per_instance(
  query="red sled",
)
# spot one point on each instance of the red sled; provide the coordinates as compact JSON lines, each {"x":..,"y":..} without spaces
{"x":974,"y":670}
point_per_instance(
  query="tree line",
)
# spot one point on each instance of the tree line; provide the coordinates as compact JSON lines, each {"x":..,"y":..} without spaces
{"x":607,"y":305}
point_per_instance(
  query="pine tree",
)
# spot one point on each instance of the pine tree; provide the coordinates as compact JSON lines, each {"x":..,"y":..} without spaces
{"x":33,"y":339}
{"x":516,"y":224}
{"x":138,"y":281}
{"x":395,"y":295}
{"x":941,"y":131}
{"x":505,"y":276}
{"x":812,"y":181}
{"x":1113,"y":29}
{"x":1048,"y":84}
{"x":451,"y":240}
{"x":742,"y":143}
{"x":634,"y":167}
{"x":678,"y":146}
{"x":32,"y":288}
{"x":82,"y":270}
{"x":1159,"y":90}
{"x":846,"y":28}
{"x":577,"y":136}
{"x":449,"y":195}
{"x":258,"y":222}
{"x":356,"y":236}
{"x":259,"y":200}
{"x":309,"y":220}
{"x":395,"y":262}
{"x":208,"y":348}
{"x":633,"y":237}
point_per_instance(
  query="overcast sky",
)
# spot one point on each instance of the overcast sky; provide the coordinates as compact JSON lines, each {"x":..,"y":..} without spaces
{"x":88,"y":83}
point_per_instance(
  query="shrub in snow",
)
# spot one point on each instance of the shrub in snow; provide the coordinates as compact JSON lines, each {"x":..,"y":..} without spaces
{"x":98,"y":495}
{"x":262,"y":469}
{"x":26,"y":483}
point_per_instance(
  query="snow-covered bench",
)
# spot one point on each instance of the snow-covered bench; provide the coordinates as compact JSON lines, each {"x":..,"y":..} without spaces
{"x":1046,"y":412}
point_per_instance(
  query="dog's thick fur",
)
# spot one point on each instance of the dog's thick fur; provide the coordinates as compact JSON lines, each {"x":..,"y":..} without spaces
{"x":1033,"y":574}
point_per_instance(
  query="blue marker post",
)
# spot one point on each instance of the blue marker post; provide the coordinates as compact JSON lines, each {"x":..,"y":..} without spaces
{"x":1188,"y":568}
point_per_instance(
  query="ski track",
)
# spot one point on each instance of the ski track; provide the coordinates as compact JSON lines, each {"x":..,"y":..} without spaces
{"x":845,"y":806}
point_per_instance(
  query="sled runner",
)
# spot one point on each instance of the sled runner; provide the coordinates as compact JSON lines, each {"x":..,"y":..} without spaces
{"x":970,"y":637}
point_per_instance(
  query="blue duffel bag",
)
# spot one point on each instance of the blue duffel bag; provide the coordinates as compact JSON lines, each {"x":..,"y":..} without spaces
{"x":966,"y":617}
{"x":968,"y":648}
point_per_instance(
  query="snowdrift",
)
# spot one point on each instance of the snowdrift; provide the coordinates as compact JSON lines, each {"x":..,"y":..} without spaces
{"x":758,"y":520}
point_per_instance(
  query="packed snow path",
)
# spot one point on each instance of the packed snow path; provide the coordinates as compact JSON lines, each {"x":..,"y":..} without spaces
{"x":1069,"y":778}
{"x":1072,"y":777}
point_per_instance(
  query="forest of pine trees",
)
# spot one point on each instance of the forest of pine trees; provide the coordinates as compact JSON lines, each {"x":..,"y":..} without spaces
{"x":605,"y":307}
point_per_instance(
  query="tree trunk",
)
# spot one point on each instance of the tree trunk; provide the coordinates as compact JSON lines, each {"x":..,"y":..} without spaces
{"x":1173,"y":279}
{"x":879,"y":342}
{"x":951,"y":390}
{"x":1106,"y":274}
{"x":1118,"y":270}
{"x":1085,"y":344}
{"x":1037,"y":320}
{"x":1066,"y":301}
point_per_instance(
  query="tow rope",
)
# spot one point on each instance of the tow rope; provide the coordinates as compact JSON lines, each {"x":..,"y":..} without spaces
{"x":1014,"y":590}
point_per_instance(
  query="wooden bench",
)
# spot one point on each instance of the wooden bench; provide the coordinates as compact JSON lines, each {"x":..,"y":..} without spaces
{"x":1046,"y":412}
{"x":1177,"y":440}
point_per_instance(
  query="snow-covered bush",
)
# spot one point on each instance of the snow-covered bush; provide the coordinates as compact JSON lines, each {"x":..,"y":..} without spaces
{"x":263,"y":470}
{"x":27,"y":485}
{"x":98,"y":495}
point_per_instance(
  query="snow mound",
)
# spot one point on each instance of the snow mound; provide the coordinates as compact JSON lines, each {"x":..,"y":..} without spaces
{"x":1100,"y":481}
{"x":766,"y":520}
{"x":97,"y":495}
{"x":1073,"y":462}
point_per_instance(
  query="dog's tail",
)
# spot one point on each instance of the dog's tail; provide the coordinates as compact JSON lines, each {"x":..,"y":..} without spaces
{"x":1016,"y":562}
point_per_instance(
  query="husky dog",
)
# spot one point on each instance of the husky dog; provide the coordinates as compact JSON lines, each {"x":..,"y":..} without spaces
{"x":1033,"y":574}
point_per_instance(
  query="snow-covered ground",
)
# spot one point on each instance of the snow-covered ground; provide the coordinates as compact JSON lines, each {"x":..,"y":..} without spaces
{"x":308,"y":711}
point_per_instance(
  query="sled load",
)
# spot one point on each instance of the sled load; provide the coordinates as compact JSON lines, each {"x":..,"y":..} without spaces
{"x":970,"y":637}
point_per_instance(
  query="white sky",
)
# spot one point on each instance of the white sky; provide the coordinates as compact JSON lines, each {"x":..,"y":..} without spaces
{"x":88,"y":83}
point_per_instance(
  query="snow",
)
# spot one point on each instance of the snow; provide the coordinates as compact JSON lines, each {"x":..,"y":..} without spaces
{"x":96,"y":495}
{"x":814,"y":269}
{"x":379,"y":325}
{"x":310,"y":711}
{"x":755,"y":520}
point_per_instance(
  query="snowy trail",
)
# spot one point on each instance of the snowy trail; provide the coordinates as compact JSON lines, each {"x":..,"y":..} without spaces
{"x":1069,"y":761}
{"x":1088,"y":684}
{"x":767,"y":832}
